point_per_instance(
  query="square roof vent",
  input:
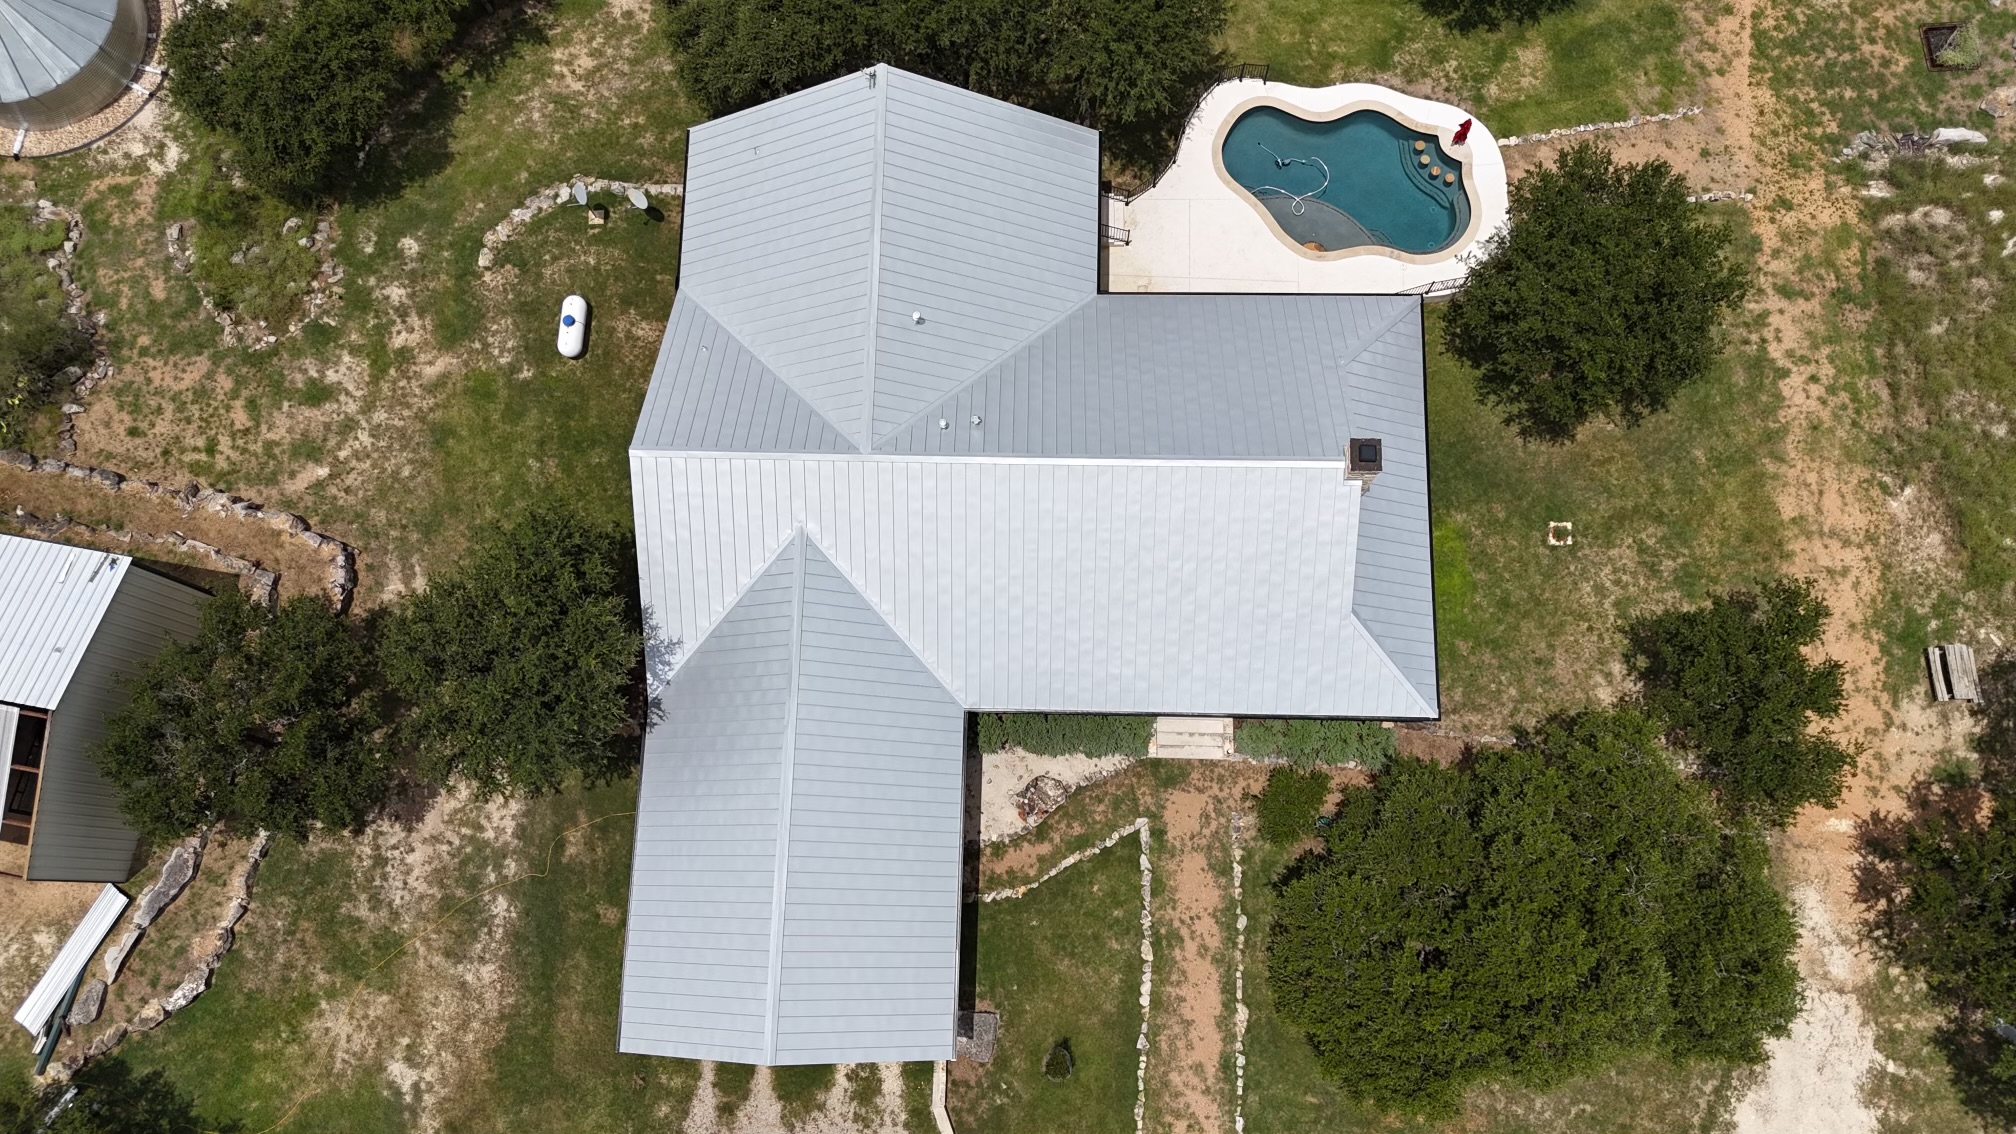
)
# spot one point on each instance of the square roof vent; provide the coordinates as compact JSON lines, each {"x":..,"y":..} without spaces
{"x":1367,"y":454}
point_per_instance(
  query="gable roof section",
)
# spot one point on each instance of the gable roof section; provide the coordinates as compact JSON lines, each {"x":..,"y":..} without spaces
{"x":52,"y":597}
{"x":795,"y":897}
{"x":818,"y":224}
{"x":1084,"y":585}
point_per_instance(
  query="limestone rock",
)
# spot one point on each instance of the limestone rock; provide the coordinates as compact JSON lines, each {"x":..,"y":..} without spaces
{"x":105,"y":1041}
{"x":1039,"y":797}
{"x":115,"y":958}
{"x":149,"y":1017}
{"x":2000,"y":103}
{"x":1955,"y":135}
{"x":186,"y":993}
{"x":90,"y":1001}
{"x":175,"y":874}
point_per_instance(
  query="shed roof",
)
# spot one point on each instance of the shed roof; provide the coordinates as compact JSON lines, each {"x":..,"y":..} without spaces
{"x":52,"y":597}
{"x":889,"y":379}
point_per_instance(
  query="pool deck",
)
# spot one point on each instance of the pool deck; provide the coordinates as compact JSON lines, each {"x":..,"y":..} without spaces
{"x":1194,"y":231}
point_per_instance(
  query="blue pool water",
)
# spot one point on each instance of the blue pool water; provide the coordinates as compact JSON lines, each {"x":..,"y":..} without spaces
{"x":1350,"y":182}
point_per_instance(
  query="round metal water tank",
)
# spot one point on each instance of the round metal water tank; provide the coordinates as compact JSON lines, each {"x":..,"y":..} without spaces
{"x":62,"y":61}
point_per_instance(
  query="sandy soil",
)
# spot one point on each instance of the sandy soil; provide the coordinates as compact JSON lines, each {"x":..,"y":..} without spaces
{"x":1002,"y":774}
{"x":1189,"y":1094}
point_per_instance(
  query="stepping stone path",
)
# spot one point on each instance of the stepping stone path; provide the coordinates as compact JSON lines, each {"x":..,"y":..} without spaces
{"x":1192,"y":738}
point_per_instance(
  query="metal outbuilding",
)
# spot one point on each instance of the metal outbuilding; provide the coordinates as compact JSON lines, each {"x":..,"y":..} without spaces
{"x":62,"y":61}
{"x":74,"y":623}
{"x":902,"y":460}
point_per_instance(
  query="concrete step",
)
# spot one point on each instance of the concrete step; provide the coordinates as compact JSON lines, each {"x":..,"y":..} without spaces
{"x":1192,"y":738}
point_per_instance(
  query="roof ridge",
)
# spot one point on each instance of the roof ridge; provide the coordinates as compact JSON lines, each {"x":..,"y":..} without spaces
{"x":833,"y":562}
{"x":878,"y":79}
{"x":787,"y":759}
{"x":974,"y":378}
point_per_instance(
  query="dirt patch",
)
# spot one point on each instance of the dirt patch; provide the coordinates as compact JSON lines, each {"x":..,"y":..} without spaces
{"x":35,"y":919}
{"x":302,"y":569}
{"x":1188,"y":1093}
{"x":1003,"y":774}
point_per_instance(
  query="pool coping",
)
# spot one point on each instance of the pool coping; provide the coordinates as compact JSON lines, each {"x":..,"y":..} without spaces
{"x":1195,"y":230}
{"x":1457,"y":244}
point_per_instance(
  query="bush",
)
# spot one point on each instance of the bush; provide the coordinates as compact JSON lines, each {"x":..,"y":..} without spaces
{"x":520,"y":667}
{"x":263,"y":720}
{"x":1940,"y":883}
{"x":1130,"y":68}
{"x":301,"y":87}
{"x":1733,"y":683}
{"x":242,"y":257}
{"x":1066,"y":734}
{"x":1602,"y":298}
{"x":38,"y":339}
{"x":104,"y":1098}
{"x":1528,"y":919}
{"x":1307,"y":743}
{"x":1290,"y":803}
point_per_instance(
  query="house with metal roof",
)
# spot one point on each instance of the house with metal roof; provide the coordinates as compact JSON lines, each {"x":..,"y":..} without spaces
{"x":901,"y":460}
{"x":74,"y":624}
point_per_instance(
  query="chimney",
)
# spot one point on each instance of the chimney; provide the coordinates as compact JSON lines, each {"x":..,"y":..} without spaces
{"x":1364,"y":458}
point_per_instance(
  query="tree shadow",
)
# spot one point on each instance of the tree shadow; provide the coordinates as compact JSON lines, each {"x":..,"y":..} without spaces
{"x":415,"y":143}
{"x":116,"y":1098}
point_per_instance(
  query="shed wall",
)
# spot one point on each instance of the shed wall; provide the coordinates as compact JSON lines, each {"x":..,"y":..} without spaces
{"x":79,"y":835}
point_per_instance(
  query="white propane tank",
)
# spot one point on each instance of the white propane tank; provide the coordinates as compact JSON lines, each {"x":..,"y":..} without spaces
{"x":573,"y":326}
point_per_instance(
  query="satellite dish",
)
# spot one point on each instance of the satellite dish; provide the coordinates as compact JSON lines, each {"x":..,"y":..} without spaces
{"x":638,"y":199}
{"x":580,"y":193}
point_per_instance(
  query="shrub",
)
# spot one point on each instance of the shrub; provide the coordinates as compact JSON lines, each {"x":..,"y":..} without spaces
{"x":263,"y":719}
{"x":1938,"y":883}
{"x":301,"y":87}
{"x":1528,"y":919}
{"x":1129,"y":68}
{"x":519,"y":667}
{"x":1307,"y":743}
{"x":1602,"y":298}
{"x":1733,"y":683}
{"x":1290,"y":803}
{"x":38,"y":339}
{"x":1066,"y":734}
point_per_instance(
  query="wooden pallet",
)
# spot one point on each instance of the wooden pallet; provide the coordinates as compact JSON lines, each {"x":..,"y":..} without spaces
{"x":1952,"y":671}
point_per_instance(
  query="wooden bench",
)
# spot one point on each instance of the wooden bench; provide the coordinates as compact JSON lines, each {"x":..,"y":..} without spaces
{"x":1952,"y":670}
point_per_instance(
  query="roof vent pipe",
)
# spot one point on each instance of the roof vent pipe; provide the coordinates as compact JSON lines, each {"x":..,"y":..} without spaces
{"x":943,"y":424}
{"x":917,"y":317}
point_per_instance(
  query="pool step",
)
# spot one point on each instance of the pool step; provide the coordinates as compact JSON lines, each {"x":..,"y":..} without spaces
{"x":1191,"y":738}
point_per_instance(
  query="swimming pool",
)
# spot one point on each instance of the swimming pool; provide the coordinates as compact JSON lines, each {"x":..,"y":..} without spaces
{"x":1362,"y":180}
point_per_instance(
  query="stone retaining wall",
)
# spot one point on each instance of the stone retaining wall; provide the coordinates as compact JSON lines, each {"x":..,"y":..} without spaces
{"x":554,"y":196}
{"x":342,"y":584}
{"x":1596,"y":127}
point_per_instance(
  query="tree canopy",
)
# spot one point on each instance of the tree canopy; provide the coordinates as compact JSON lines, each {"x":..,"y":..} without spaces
{"x":263,"y":720}
{"x":1559,"y":903}
{"x":1734,"y":684}
{"x":301,"y":87}
{"x":518,"y":668}
{"x":1940,"y":881}
{"x":1602,"y":298}
{"x":1128,"y":67}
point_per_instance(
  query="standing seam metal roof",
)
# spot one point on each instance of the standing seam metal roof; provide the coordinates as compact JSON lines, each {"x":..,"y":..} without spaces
{"x":1152,"y":514}
{"x":52,"y":597}
{"x":796,"y":891}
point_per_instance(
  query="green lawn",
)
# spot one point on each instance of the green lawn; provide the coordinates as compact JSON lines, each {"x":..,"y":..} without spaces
{"x":1662,"y":513}
{"x":1062,"y":963}
{"x":263,"y":1038}
{"x":435,"y":402}
{"x":1601,"y":61}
